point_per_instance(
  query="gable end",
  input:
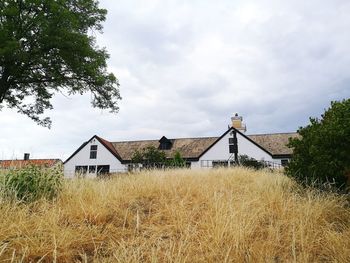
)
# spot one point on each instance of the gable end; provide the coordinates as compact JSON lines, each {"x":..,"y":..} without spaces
{"x":105,"y":143}
{"x":243,"y":135}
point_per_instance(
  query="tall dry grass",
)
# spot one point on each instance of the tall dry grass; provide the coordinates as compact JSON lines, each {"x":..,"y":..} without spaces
{"x":225,"y":215}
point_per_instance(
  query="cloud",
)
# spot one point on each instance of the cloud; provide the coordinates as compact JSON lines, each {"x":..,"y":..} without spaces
{"x":186,"y":66}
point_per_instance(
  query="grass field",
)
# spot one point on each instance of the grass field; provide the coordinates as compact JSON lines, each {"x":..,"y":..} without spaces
{"x":224,"y":215}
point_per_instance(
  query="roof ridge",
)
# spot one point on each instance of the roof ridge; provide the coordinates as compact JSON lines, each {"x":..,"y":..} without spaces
{"x":204,"y":137}
{"x":257,"y":134}
{"x":182,"y":138}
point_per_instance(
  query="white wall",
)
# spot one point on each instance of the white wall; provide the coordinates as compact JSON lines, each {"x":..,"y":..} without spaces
{"x":248,"y":148}
{"x":82,"y":158}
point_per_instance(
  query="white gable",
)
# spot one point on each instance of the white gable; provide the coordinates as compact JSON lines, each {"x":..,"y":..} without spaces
{"x":220,"y":151}
{"x":103,"y":157}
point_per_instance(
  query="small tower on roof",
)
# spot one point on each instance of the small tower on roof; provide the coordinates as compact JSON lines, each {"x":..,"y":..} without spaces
{"x":237,"y":123}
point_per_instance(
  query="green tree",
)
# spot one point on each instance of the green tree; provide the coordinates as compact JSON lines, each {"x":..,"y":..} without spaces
{"x":47,"y":46}
{"x":322,"y":153}
{"x":149,"y":156}
{"x":250,"y":162}
{"x":137,"y":157}
{"x":152,"y":155}
{"x":177,"y":160}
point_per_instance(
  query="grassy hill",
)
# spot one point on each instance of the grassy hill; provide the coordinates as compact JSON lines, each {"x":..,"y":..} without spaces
{"x":223,"y":215}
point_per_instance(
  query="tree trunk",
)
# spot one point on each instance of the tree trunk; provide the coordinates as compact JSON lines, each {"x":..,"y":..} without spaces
{"x":4,"y":84}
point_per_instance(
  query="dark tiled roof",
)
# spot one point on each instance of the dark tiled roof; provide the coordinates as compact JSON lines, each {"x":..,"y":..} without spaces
{"x":6,"y":164}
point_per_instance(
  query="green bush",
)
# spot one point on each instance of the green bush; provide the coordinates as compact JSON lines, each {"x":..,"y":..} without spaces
{"x":177,"y":160}
{"x":247,"y":161}
{"x":149,"y":157}
{"x":32,"y":183}
{"x":321,"y":156}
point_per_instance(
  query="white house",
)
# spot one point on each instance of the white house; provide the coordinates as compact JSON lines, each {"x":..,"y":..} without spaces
{"x":98,"y":156}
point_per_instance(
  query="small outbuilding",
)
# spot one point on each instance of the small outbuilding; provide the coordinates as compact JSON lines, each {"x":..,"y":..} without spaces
{"x":26,"y":161}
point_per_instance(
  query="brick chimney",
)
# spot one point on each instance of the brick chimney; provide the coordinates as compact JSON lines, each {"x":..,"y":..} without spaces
{"x":26,"y":156}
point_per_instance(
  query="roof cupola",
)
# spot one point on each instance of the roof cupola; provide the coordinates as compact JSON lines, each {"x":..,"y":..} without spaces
{"x":237,"y":123}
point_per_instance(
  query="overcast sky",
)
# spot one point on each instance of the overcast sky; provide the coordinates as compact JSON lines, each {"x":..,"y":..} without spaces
{"x":186,"y":66}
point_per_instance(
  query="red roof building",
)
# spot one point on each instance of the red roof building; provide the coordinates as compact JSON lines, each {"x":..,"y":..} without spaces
{"x":9,"y":164}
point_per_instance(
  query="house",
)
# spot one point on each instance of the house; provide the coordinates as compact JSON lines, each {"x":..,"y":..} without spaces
{"x":14,"y":164}
{"x":98,"y":156}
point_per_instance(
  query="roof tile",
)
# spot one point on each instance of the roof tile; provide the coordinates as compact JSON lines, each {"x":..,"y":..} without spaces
{"x":6,"y":164}
{"x":276,"y":144}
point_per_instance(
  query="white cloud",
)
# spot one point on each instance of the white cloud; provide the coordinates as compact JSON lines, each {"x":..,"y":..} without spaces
{"x":186,"y":66}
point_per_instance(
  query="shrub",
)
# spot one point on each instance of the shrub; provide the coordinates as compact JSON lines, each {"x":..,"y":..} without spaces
{"x":151,"y":157}
{"x":321,"y":155}
{"x":177,"y":161}
{"x":247,"y":161}
{"x":32,"y":183}
{"x":137,"y":157}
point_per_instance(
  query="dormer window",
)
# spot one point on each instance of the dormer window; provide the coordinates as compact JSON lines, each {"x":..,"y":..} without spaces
{"x":165,"y":143}
{"x":93,"y":151}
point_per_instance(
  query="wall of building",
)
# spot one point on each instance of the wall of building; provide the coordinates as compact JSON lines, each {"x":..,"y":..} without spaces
{"x":279,"y":160}
{"x":82,"y":158}
{"x":220,"y":152}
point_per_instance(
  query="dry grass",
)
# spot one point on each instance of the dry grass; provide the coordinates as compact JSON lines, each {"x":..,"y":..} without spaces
{"x":220,"y":215}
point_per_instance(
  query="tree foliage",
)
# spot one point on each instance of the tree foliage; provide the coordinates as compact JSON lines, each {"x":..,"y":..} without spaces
{"x":177,"y":160}
{"x":322,"y":153}
{"x":137,"y":157}
{"x":153,"y":157}
{"x":250,"y":162}
{"x":149,"y":156}
{"x":47,"y":46}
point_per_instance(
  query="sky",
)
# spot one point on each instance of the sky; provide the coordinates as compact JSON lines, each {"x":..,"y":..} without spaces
{"x":185,"y":67}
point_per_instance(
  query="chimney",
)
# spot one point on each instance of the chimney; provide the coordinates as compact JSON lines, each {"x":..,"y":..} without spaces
{"x":237,"y":123}
{"x":26,"y":156}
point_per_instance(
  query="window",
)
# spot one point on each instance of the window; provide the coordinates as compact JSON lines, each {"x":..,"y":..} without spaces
{"x":206,"y":163}
{"x":232,"y":143}
{"x":164,"y":146}
{"x":81,"y":169}
{"x":93,"y":151}
{"x":102,"y":169}
{"x":284,"y":162}
{"x":233,"y":148}
{"x":92,"y":169}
